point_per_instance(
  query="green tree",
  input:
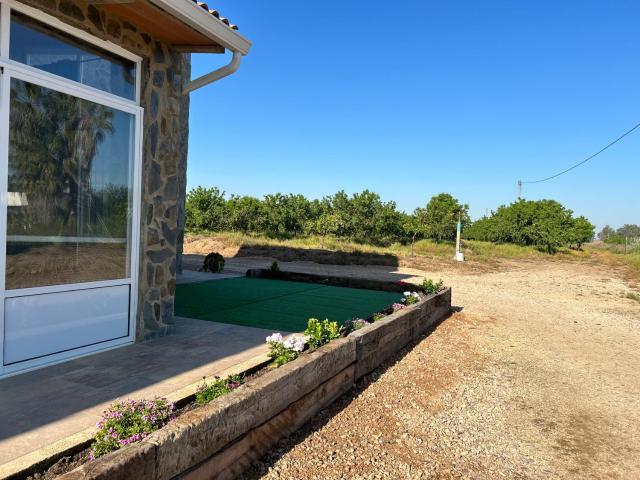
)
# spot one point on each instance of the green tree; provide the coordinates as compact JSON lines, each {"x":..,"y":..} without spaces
{"x":440,"y":217}
{"x":481,"y":229}
{"x":606,"y":232}
{"x":412,"y":228}
{"x":542,"y":223}
{"x":244,"y":214}
{"x":628,"y":230}
{"x":323,"y":226}
{"x":582,"y":231}
{"x":205,"y":209}
{"x":552,"y":225}
{"x":285,"y":215}
{"x":340,"y":205}
{"x":373,"y":221}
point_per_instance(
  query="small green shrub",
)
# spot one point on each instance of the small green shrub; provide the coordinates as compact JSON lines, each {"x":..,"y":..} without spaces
{"x":283,"y":351}
{"x":633,"y":296}
{"x":378,"y":316}
{"x":214,"y":263}
{"x":430,"y":287}
{"x":274,"y":268}
{"x":410,"y":298}
{"x":221,"y":386}
{"x":318,"y":333}
{"x":129,"y":421}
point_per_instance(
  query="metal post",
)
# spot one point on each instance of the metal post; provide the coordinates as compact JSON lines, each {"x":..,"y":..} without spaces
{"x":459,"y":255}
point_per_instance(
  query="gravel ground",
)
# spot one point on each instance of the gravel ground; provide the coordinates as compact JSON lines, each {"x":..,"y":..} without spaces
{"x":536,"y":377}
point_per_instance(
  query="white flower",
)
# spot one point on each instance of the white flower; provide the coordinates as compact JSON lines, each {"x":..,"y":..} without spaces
{"x":298,"y":344}
{"x":416,"y":294}
{"x":295,"y":343}
{"x":274,"y":338}
{"x":406,"y":294}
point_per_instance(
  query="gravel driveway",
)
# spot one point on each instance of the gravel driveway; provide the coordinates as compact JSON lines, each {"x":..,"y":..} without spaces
{"x":538,"y":376}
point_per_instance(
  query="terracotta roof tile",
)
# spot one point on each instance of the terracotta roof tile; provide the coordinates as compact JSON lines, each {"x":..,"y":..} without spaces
{"x":216,"y":14}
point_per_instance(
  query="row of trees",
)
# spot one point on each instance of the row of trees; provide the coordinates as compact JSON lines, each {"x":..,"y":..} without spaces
{"x":610,"y":235}
{"x":541,"y":223}
{"x":362,"y":217}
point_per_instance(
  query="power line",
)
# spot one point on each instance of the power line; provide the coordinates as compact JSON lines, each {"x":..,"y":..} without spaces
{"x":583,"y":161}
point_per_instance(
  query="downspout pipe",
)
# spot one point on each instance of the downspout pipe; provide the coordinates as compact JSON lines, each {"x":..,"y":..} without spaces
{"x":229,"y":69}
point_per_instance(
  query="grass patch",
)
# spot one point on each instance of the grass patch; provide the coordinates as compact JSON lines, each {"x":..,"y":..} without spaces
{"x":633,"y":296}
{"x":425,"y":248}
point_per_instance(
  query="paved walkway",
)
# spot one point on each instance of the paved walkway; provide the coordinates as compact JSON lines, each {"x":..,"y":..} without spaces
{"x":40,"y":408}
{"x":44,"y":406}
{"x":192,"y":276}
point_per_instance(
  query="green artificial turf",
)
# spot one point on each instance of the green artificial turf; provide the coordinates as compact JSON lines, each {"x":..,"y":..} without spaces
{"x":275,"y":304}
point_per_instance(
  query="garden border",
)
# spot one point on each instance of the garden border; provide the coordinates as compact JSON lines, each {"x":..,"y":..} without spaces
{"x":223,"y":438}
{"x":335,"y":281}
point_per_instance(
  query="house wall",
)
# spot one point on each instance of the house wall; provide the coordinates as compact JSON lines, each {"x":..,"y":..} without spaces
{"x":165,"y":135}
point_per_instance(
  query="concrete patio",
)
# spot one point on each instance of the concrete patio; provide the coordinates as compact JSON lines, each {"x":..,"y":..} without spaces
{"x":45,"y":411}
{"x":45,"y":406}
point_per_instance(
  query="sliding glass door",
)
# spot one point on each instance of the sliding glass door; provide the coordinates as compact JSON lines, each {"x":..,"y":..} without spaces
{"x":69,"y":189}
{"x":69,"y":169}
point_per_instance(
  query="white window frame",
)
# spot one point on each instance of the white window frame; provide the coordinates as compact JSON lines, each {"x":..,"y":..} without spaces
{"x":13,"y":69}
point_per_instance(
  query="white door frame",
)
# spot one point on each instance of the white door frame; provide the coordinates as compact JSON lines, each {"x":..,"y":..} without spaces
{"x":29,"y":74}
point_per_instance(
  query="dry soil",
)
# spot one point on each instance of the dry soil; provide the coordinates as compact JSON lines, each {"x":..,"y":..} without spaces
{"x":538,"y":376}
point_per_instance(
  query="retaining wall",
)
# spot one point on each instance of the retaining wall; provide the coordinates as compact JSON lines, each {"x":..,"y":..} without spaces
{"x":223,"y":438}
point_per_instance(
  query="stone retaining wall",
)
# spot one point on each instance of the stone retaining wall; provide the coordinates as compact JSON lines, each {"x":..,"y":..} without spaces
{"x":221,"y":440}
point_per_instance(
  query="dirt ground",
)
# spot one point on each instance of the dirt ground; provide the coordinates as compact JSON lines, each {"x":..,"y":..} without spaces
{"x":537,"y":376}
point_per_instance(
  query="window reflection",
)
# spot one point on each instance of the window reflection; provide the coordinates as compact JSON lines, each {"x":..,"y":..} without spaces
{"x":69,"y":189}
{"x":43,"y":47}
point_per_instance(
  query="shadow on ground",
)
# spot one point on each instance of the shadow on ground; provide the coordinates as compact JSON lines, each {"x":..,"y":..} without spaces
{"x":317,"y":255}
{"x":43,"y":406}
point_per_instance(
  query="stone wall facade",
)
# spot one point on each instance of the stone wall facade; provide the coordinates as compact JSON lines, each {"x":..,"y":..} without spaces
{"x":165,"y":136}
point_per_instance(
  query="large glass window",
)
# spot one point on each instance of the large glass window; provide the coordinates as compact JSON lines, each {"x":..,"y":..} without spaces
{"x":69,"y":189}
{"x":40,"y":46}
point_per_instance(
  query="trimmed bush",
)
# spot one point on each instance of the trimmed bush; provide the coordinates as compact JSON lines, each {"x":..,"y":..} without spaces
{"x":214,"y":263}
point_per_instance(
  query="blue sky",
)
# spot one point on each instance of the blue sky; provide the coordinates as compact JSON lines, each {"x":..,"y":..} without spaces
{"x":414,"y":98}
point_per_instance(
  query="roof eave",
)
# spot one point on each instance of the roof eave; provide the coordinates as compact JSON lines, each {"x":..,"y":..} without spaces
{"x":202,"y":21}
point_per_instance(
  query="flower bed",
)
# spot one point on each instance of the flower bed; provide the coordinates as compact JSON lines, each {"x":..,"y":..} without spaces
{"x":221,"y":438}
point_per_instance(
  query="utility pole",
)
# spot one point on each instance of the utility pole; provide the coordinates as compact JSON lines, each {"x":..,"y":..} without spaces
{"x":519,"y":189}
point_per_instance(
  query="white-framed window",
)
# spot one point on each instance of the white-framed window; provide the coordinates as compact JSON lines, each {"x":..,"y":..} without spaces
{"x":70,"y":159}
